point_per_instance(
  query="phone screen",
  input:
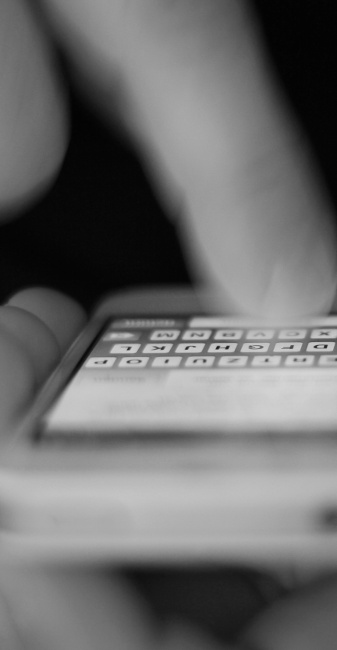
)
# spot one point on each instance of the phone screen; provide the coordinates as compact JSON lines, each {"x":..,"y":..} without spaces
{"x":200,"y":375}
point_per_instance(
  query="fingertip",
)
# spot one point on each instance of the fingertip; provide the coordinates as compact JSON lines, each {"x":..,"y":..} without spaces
{"x":34,"y":336}
{"x":270,"y":266}
{"x":36,"y":326}
{"x":62,"y":314}
{"x":17,"y":380}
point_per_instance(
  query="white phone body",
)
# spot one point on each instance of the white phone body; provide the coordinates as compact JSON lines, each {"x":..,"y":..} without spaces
{"x":180,"y":461}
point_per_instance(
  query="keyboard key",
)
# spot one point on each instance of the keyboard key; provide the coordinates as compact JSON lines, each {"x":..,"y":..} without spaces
{"x":196,"y":335}
{"x":189,"y":348}
{"x":164,"y":335}
{"x":292,"y":334}
{"x":100,"y":362}
{"x":227,"y":334}
{"x":233,"y":362}
{"x":298,"y":361}
{"x":328,"y":360}
{"x":255,"y":347}
{"x":324,"y":334}
{"x":125,"y":348}
{"x":288,"y":347}
{"x":157,"y":348}
{"x":121,"y":336}
{"x":260,"y":335}
{"x":316,"y":346}
{"x":166,"y":362}
{"x":267,"y":361}
{"x":133,"y":362}
{"x":199,"y":362}
{"x":222,"y":347}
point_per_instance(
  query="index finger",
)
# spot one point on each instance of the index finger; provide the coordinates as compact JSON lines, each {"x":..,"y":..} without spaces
{"x":200,"y":97}
{"x":256,"y":219}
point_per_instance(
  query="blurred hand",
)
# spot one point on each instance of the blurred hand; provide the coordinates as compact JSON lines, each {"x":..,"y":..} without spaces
{"x":66,"y":608}
{"x":191,"y":83}
{"x":54,"y":608}
{"x":46,"y":607}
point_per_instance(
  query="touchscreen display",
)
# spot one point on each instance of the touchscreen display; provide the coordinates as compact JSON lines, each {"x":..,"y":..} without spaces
{"x":202,"y":374}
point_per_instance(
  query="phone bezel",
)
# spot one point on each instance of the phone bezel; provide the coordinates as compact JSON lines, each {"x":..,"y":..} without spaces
{"x":26,"y":453}
{"x":43,"y":488}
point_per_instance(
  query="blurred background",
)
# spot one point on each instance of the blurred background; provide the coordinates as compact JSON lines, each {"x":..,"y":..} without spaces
{"x":101,"y":226}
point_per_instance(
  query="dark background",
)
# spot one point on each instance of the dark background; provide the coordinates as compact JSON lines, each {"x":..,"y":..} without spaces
{"x":101,"y":227}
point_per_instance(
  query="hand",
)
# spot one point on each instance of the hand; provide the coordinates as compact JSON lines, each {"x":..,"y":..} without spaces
{"x":54,"y":608}
{"x":191,"y":83}
{"x":62,"y":608}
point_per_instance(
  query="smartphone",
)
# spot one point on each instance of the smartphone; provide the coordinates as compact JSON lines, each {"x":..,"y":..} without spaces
{"x":173,"y":433}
